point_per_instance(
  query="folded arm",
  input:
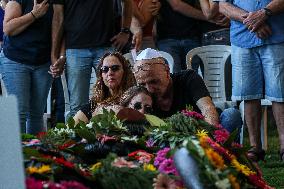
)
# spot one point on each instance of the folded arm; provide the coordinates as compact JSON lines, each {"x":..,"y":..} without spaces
{"x":208,"y":110}
{"x":186,"y":9}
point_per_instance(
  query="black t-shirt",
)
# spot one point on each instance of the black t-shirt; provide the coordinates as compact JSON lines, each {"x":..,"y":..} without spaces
{"x":171,"y":24}
{"x":188,"y":88}
{"x":88,"y":23}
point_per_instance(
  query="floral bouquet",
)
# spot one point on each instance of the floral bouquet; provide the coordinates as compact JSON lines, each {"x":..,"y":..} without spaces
{"x":107,"y":154}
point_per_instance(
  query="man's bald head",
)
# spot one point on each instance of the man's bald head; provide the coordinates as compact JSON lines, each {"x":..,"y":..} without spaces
{"x":153,"y":74}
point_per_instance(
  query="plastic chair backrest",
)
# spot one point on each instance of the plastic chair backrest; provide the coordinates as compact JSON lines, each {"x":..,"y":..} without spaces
{"x":214,"y":58}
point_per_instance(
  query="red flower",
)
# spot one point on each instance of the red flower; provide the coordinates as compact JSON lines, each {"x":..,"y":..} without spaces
{"x":41,"y":135}
{"x":221,"y":135}
{"x":259,"y":182}
{"x":105,"y":138}
{"x":63,"y":162}
{"x":32,"y":183}
{"x":192,"y":114}
{"x":142,"y":156}
{"x":66,"y":145}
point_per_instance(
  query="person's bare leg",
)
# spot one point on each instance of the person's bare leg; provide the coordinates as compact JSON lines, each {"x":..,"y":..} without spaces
{"x":278,"y":112}
{"x":253,"y":121}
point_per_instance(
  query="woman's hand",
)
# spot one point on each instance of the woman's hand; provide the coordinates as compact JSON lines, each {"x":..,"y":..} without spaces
{"x":40,"y":9}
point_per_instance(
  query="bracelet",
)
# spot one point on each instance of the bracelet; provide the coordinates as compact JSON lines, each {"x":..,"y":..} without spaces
{"x":33,"y":15}
{"x":268,"y":12}
{"x":125,"y":30}
{"x":62,"y":56}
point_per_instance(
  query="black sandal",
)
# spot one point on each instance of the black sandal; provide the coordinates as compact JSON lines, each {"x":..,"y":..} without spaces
{"x":256,"y":155}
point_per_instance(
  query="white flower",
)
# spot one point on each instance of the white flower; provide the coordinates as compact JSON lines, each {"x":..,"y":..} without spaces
{"x":89,"y":125}
{"x":223,"y":184}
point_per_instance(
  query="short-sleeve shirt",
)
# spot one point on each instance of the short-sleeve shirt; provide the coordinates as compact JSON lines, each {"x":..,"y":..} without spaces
{"x":33,"y":45}
{"x":242,"y":37}
{"x":88,"y":23}
{"x":1,"y":24}
{"x":174,"y":25}
{"x":188,"y":88}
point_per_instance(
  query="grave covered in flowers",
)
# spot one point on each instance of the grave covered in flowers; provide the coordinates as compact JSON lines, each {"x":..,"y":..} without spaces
{"x":114,"y":151}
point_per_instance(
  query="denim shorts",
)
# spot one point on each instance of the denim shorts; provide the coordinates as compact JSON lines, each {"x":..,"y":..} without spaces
{"x":258,"y":72}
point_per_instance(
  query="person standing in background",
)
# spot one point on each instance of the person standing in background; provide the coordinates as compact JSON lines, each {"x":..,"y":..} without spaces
{"x":26,"y":59}
{"x":87,"y":33}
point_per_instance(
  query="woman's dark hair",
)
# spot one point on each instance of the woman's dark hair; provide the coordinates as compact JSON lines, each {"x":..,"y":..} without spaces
{"x":131,"y":92}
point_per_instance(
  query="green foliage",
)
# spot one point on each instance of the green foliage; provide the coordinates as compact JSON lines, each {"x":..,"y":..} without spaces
{"x":110,"y":177}
{"x":26,"y":137}
{"x":108,"y":124}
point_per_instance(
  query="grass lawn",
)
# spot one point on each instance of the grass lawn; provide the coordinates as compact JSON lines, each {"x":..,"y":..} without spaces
{"x":273,"y":168}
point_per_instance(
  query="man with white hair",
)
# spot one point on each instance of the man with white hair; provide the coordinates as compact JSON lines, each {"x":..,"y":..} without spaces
{"x":172,"y":93}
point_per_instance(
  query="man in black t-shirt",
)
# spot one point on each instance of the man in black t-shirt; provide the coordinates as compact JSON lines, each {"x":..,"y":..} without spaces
{"x":177,"y":29}
{"x":172,"y":93}
{"x":87,"y":30}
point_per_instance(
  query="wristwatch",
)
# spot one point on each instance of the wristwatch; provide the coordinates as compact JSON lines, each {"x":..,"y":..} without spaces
{"x":125,"y":30}
{"x":268,"y":12}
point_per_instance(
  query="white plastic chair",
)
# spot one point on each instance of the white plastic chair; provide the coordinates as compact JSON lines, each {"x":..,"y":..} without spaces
{"x":214,"y":58}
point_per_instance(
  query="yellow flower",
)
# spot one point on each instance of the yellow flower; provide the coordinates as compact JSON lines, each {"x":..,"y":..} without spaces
{"x":44,"y":169}
{"x":31,"y":170}
{"x":202,"y":133}
{"x":215,"y":159}
{"x":234,"y":182}
{"x":149,"y":167}
{"x":40,"y":170}
{"x":242,"y":168}
{"x":96,"y":166}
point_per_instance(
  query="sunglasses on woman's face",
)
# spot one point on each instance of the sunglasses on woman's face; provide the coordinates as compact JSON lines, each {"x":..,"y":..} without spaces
{"x":138,"y":106}
{"x":113,"y":68}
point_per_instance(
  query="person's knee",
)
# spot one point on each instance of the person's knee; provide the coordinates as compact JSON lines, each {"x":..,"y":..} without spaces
{"x":231,"y":119}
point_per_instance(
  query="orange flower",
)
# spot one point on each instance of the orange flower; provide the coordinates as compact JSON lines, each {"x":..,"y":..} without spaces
{"x":234,"y":182}
{"x":215,"y":159}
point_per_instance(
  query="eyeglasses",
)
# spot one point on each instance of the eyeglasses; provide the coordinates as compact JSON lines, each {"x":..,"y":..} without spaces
{"x":145,"y":66}
{"x":113,"y":68}
{"x":138,"y":106}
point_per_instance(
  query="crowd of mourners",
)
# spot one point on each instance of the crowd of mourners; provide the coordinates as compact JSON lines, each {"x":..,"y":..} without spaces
{"x":44,"y":38}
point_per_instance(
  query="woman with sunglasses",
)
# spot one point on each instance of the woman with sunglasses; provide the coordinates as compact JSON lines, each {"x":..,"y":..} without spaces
{"x":137,"y":98}
{"x":114,"y":77}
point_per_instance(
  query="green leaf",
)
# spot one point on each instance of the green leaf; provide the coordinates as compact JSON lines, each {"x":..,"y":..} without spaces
{"x":86,"y":134}
{"x":60,"y":125}
{"x":231,"y":138}
{"x":28,"y":152}
{"x":71,"y":122}
{"x":154,"y":120}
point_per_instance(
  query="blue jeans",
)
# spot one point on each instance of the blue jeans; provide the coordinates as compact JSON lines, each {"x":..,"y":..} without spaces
{"x":231,"y":120}
{"x":30,"y":84}
{"x":79,"y":65}
{"x":258,"y":72}
{"x":178,"y":49}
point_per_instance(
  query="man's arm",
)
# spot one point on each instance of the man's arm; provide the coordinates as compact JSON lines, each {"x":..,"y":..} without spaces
{"x":58,"y":47}
{"x":276,"y":6}
{"x":186,"y":9}
{"x":238,"y":14}
{"x":121,"y":39}
{"x":231,"y":11}
{"x":210,"y":9}
{"x":208,"y":110}
{"x":57,"y":31}
{"x":255,"y":19}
